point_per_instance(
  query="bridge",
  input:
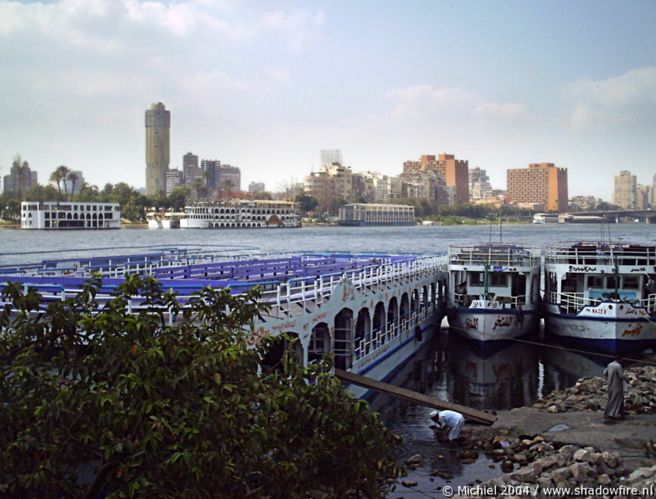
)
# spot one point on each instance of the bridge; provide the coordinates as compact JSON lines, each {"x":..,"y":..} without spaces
{"x":644,"y":216}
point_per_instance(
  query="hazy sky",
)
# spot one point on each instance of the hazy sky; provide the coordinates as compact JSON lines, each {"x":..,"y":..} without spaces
{"x":264,"y":85}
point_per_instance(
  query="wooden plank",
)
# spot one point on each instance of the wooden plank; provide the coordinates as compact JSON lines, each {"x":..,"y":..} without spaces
{"x":415,"y":397}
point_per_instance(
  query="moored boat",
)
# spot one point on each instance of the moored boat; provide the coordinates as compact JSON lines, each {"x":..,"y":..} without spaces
{"x":163,"y":220}
{"x":371,"y":312}
{"x":602,"y":294}
{"x":494,"y":290}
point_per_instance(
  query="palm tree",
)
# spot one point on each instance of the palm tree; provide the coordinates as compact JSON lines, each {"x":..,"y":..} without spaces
{"x":59,"y":175}
{"x":73,"y":177}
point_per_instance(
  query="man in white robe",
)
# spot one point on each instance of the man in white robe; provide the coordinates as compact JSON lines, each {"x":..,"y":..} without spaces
{"x":452,"y":420}
{"x":615,"y":379}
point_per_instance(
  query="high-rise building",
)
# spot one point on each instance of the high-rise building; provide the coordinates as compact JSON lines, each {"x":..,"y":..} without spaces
{"x":625,"y":192}
{"x":643,"y":197}
{"x":20,"y":178}
{"x":330,"y":156}
{"x":173,"y":180}
{"x":228,"y":178}
{"x":541,"y":184}
{"x":454,"y":172}
{"x":479,"y":184}
{"x":255,"y":187}
{"x":190,"y":168}
{"x":209,"y":171}
{"x":158,"y":126}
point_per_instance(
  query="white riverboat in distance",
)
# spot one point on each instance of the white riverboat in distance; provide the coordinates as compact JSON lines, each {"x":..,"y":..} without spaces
{"x":602,"y":294}
{"x":494,"y":290}
{"x":164,"y":219}
{"x":68,"y":215}
{"x":241,"y":214}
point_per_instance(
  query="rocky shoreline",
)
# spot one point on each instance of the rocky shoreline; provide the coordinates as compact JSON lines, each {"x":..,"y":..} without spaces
{"x":561,"y":442}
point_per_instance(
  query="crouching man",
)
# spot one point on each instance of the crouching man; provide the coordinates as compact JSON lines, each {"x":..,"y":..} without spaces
{"x":451,"y":420}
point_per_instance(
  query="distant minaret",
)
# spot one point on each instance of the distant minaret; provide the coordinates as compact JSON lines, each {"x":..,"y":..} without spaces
{"x":158,"y":126}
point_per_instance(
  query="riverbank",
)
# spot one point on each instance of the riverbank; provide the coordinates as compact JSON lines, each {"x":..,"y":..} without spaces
{"x":563,"y":441}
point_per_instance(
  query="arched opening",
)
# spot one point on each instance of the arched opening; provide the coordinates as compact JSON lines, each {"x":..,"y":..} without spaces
{"x":414,"y":302}
{"x":405,"y":307}
{"x":432,"y":295}
{"x":392,"y":316}
{"x":363,"y":331}
{"x":343,"y":339}
{"x":424,"y":298}
{"x":379,"y":318}
{"x":319,"y":342}
{"x":279,"y":346}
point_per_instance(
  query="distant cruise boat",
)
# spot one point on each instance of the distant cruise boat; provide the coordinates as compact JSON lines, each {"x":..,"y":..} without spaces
{"x":546,"y":218}
{"x":256,"y":214}
{"x":376,"y":214}
{"x":70,"y":215}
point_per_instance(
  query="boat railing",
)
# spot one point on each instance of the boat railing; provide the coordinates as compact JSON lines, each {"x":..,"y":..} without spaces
{"x":382,"y":337}
{"x":510,"y":256}
{"x":307,"y":293}
{"x":501,"y":302}
{"x":575,"y":302}
{"x":600,"y":254}
{"x":313,"y":293}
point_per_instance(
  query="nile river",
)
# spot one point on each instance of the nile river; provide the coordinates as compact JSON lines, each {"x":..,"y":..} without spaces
{"x":450,"y":369}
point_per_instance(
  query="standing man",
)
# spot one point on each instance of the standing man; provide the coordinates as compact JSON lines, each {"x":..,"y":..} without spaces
{"x":615,"y":379}
{"x":452,"y":420}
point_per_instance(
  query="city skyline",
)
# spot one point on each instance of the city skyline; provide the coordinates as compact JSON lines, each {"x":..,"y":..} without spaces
{"x":266,"y":86}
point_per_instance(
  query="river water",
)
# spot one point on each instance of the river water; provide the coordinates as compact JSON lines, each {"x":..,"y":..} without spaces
{"x":450,"y":368}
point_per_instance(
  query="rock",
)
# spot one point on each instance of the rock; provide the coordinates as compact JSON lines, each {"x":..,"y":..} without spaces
{"x":469,"y":454}
{"x":507,"y":466}
{"x":409,"y":483}
{"x":526,"y":475}
{"x":545,"y":483}
{"x":536,"y":467}
{"x":568,"y":449}
{"x":445,"y":474}
{"x":581,"y":471}
{"x":603,"y":479}
{"x":553,"y":409}
{"x":642,"y":473}
{"x":583,"y":455}
{"x":520,"y":458}
{"x":468,"y":461}
{"x":560,"y":475}
{"x":549,"y":462}
{"x":416,"y":459}
{"x":611,"y":459}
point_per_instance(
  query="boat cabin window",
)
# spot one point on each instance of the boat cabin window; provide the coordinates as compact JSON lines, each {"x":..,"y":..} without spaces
{"x":611,"y":282}
{"x":595,"y":282}
{"x":630,"y":282}
{"x":498,"y":279}
{"x":476,"y":278}
{"x":569,"y":285}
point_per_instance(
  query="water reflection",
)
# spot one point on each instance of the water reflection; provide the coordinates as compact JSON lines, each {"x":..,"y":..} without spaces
{"x":500,"y":377}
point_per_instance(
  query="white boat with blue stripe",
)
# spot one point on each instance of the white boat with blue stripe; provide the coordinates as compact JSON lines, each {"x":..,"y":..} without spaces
{"x":494,"y":290}
{"x":602,"y":294}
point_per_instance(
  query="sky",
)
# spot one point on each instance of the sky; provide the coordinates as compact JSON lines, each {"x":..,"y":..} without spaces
{"x":264,"y":85}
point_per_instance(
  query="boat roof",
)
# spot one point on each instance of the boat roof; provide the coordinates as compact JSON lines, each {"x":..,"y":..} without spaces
{"x":189,"y":269}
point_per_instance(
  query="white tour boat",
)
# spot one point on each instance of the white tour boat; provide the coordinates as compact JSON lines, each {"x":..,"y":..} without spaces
{"x":163,"y":220}
{"x":494,"y":290}
{"x":67,"y":215}
{"x":602,"y":294}
{"x":371,"y":312}
{"x":241,"y":214}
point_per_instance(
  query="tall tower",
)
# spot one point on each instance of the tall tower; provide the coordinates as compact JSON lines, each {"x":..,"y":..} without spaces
{"x":158,"y":126}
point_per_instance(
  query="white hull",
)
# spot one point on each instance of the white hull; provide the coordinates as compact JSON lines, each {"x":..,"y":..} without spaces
{"x":605,"y":326}
{"x":493,"y":325}
{"x":163,"y":224}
